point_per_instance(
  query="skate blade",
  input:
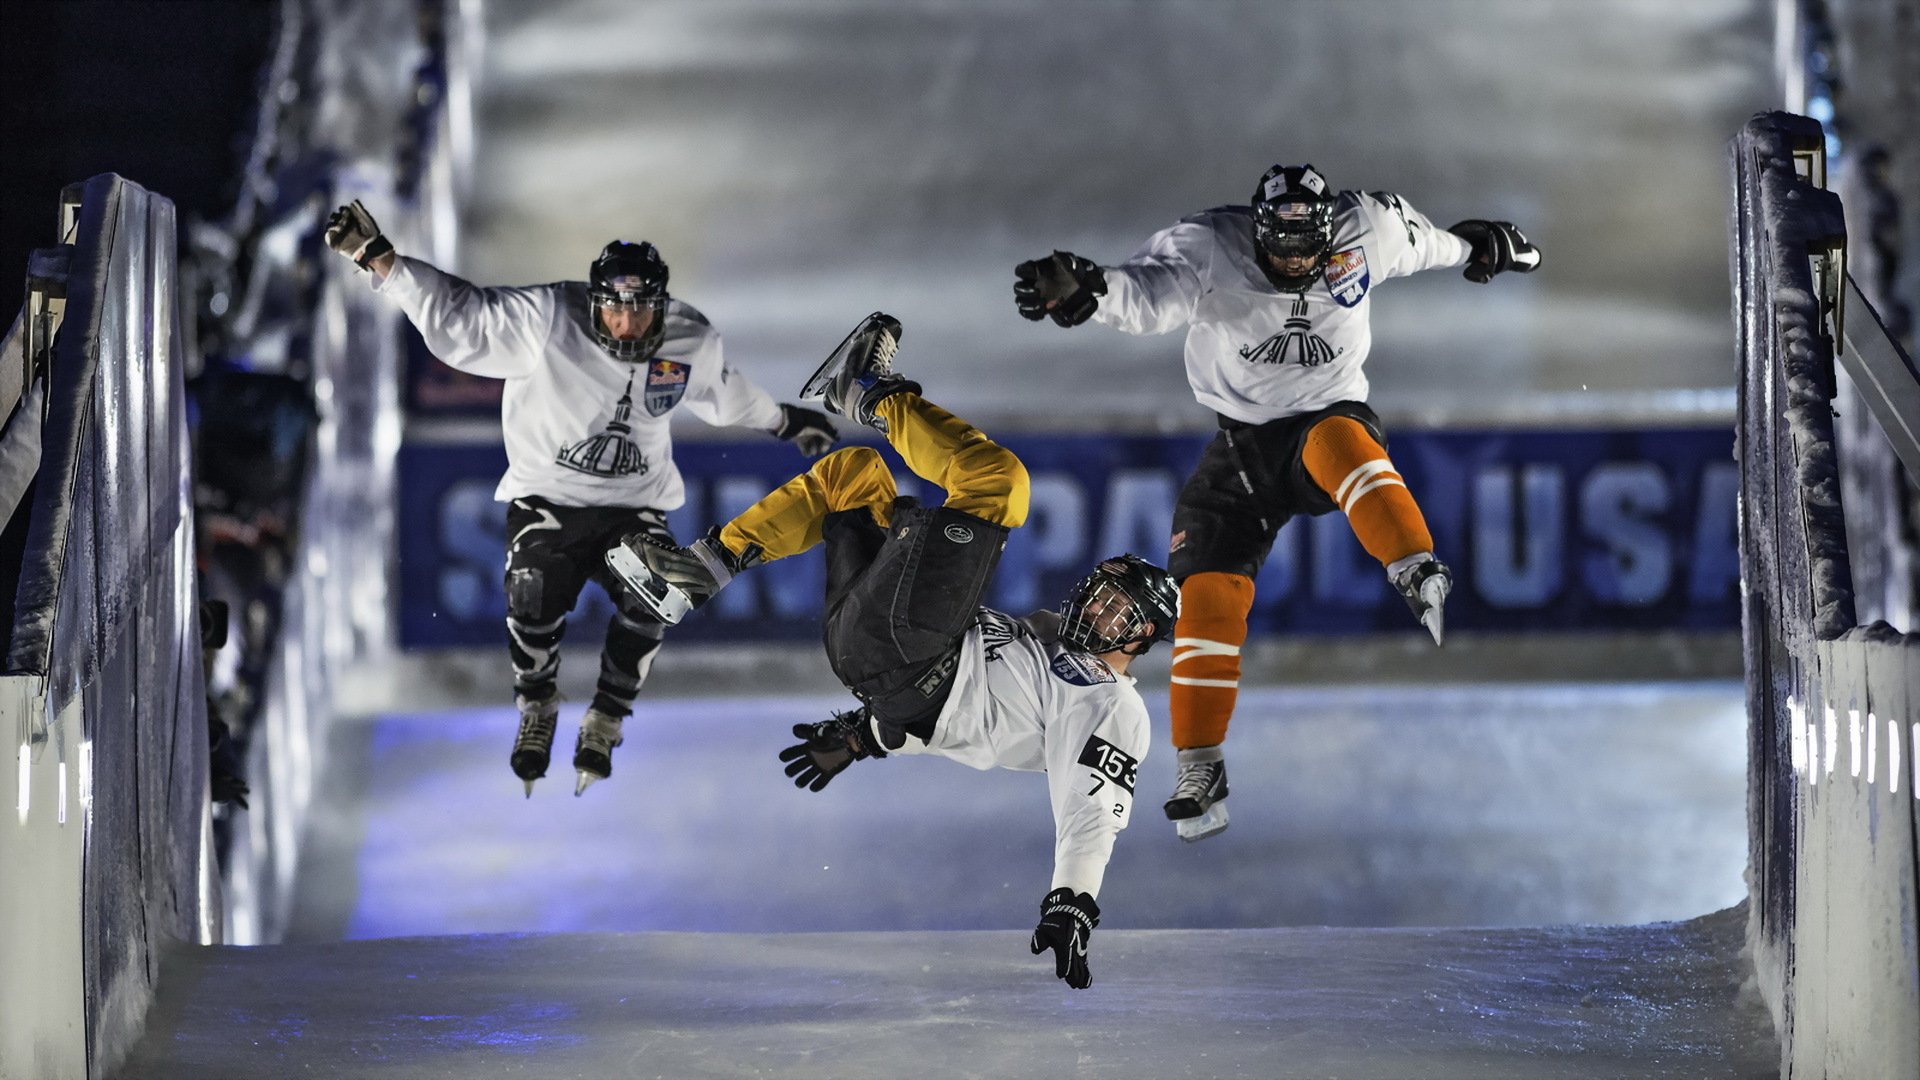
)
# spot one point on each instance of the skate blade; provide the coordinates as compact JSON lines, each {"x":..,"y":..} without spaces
{"x":1212,"y":822}
{"x":667,"y":603}
{"x":822,"y":376}
{"x":1433,"y":593}
{"x":584,"y":781}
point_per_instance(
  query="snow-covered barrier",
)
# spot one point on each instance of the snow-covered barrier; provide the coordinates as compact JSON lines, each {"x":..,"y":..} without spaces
{"x":1834,"y":795}
{"x":104,"y":851}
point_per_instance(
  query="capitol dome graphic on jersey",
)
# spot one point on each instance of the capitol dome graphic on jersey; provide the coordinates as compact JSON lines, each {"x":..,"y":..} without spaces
{"x":609,"y":453}
{"x":1295,"y":344}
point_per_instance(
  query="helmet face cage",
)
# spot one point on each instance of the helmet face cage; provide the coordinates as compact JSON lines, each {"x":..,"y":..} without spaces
{"x":1298,"y":228}
{"x":1293,"y":218}
{"x":1126,"y":601}
{"x":628,"y":277}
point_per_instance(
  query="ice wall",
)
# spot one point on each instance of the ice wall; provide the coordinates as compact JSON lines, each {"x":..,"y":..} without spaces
{"x":105,"y":851}
{"x":1835,"y":727}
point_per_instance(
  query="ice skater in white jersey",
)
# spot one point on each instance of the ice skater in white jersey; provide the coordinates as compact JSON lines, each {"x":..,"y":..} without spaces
{"x":935,"y":672}
{"x":1276,"y":299}
{"x":593,"y":369}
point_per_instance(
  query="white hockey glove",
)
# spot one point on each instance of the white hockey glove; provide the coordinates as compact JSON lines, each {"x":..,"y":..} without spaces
{"x":1497,"y":247}
{"x":826,"y":749}
{"x":352,"y":232}
{"x":1063,"y":287}
{"x":1067,"y":920}
{"x":807,"y":429}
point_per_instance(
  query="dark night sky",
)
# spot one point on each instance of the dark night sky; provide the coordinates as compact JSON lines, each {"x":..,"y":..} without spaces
{"x":162,"y":92}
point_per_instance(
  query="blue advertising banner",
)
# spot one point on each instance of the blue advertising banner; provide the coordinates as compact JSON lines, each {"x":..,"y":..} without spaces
{"x":1544,"y":530}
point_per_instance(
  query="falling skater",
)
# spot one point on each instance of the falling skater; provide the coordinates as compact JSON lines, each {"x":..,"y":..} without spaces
{"x":935,"y":672}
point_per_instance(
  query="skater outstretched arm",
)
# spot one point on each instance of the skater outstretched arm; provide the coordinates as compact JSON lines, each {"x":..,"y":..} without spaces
{"x":1093,"y":757}
{"x":498,"y":332}
{"x":731,"y":399}
{"x":495,"y":332}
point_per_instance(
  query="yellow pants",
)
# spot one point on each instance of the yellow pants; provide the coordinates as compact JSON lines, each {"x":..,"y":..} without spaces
{"x":980,"y":476}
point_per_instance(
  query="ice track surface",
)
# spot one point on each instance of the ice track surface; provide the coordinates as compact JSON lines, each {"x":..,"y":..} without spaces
{"x":1646,"y":1003}
{"x":779,"y":924}
{"x":1490,"y":805}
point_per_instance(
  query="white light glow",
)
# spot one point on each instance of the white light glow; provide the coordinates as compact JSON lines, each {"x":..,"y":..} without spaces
{"x":1893,"y":755}
{"x":1913,"y":755}
{"x":1873,"y":747}
{"x":1832,"y":747}
{"x":26,"y":776}
{"x":85,"y":768}
{"x":61,"y":812}
{"x":1853,"y":741}
{"x":1796,"y":736}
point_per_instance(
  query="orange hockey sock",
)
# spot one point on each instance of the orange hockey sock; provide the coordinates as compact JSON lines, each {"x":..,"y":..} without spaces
{"x":1343,"y":458}
{"x":1206,"y":656}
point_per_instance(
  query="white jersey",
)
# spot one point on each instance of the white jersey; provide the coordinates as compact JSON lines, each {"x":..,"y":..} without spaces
{"x":1022,"y":701}
{"x":1254,"y":353}
{"x":582,"y":428}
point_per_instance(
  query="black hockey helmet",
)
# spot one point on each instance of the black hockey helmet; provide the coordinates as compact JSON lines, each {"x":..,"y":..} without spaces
{"x":1126,"y":601}
{"x":628,"y":277}
{"x":1293,"y":218}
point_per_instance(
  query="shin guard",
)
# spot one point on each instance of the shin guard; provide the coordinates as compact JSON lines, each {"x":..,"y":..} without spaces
{"x":1206,"y":656}
{"x":1343,"y":458}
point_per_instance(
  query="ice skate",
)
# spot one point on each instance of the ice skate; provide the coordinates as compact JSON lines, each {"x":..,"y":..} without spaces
{"x":859,"y":372}
{"x":1198,"y":807}
{"x":1425,"y":585}
{"x":593,"y":750}
{"x":672,"y":581}
{"x":533,"y":747}
{"x":667,"y":603}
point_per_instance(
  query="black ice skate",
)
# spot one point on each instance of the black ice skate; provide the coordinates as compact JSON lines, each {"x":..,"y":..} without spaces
{"x":1425,"y":586}
{"x":858,"y":374}
{"x":593,"y":750}
{"x":672,"y":581}
{"x":533,"y":747}
{"x":1198,"y":808}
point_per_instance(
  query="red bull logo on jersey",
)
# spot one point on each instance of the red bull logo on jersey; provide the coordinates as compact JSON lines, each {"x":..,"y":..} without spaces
{"x":1347,"y":276}
{"x":666,"y":385}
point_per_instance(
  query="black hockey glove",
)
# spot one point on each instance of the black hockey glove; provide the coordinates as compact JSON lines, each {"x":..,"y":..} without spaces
{"x":826,"y":749}
{"x":1497,"y":248}
{"x":1063,"y":287}
{"x":1067,"y":920}
{"x":351,"y":231}
{"x":811,"y":431}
